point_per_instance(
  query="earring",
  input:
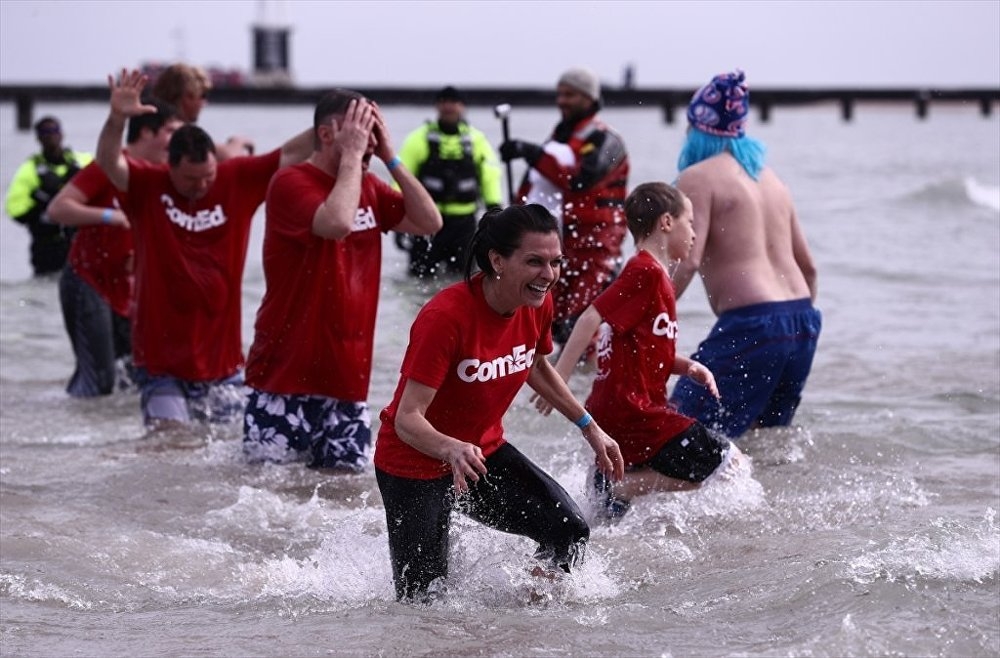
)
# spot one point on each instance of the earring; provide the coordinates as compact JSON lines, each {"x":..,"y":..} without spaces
{"x":498,"y":276}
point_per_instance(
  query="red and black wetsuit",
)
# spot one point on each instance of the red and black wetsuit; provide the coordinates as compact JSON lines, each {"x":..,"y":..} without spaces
{"x":593,"y":190}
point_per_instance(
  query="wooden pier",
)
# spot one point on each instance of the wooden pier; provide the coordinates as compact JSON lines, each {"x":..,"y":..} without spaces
{"x":672,"y":101}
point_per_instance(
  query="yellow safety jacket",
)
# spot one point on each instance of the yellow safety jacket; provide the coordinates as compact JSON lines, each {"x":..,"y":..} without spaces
{"x":456,"y":169}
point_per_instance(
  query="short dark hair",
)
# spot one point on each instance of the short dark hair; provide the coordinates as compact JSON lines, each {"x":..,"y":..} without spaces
{"x":46,"y":120}
{"x":153,"y":121}
{"x":449,"y":93}
{"x":503,"y":231}
{"x":647,"y":203}
{"x":334,"y":103}
{"x":191,"y":142}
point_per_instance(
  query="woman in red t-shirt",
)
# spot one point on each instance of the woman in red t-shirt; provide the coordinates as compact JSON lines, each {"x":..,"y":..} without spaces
{"x":471,"y":349}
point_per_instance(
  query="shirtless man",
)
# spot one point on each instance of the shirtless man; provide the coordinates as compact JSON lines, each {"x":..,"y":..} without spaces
{"x":755,"y":265}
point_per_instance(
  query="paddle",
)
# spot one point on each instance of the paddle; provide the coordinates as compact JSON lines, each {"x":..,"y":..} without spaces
{"x":502,"y":112}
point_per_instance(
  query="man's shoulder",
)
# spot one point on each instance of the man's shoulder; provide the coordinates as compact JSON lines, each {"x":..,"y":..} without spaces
{"x":90,"y":172}
{"x":143,"y":168}
{"x":82,"y":158}
{"x":597,"y":122}
{"x":421,"y":131}
{"x":708,"y":171}
{"x":269,"y":160}
{"x":29,"y":165}
{"x":473,"y":132}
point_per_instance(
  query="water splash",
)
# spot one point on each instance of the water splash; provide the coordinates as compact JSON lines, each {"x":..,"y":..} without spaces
{"x":948,"y":550}
{"x":18,"y":587}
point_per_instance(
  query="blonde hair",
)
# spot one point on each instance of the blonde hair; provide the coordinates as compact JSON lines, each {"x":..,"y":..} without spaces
{"x":178,"y":80}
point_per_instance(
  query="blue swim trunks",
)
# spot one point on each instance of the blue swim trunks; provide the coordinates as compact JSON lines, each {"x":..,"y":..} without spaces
{"x":169,"y":398}
{"x":327,"y":432}
{"x":761,"y":356}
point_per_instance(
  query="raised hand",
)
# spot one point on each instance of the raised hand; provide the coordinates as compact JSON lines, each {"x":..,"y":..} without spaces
{"x":126,"y":94}
{"x":383,"y":145}
{"x":353,"y":134}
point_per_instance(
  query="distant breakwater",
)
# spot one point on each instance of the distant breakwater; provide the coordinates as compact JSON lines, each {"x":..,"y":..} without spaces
{"x":669,"y":100}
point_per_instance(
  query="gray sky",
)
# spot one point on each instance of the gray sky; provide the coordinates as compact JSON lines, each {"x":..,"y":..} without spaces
{"x":479,"y":42}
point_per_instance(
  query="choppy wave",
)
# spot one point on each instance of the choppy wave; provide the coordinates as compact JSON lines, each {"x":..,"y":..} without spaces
{"x":947,"y":551}
{"x":17,"y":586}
{"x":967,"y":191}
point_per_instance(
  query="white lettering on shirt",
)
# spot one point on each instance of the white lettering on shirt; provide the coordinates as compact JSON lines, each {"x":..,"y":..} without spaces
{"x":474,"y":370}
{"x":664,"y":326}
{"x":201,"y":221}
{"x":604,"y":349}
{"x":364,"y":220}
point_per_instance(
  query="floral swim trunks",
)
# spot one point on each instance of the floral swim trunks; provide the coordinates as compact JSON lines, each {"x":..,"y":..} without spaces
{"x":326,"y":432}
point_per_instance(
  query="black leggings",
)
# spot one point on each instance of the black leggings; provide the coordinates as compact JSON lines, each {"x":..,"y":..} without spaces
{"x":515,"y":496}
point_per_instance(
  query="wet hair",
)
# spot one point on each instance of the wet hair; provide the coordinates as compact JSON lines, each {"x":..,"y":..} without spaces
{"x":647,"y":203}
{"x":333,"y":104}
{"x":191,"y":142}
{"x":502,"y":231}
{"x":152,"y":121}
{"x":178,"y":79}
{"x":700,"y":146}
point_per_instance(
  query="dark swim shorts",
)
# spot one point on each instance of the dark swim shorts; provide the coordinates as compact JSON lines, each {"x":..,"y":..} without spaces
{"x":692,"y":455}
{"x":761,"y":356}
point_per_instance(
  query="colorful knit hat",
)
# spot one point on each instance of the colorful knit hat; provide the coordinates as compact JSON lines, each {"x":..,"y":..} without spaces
{"x":721,"y":107}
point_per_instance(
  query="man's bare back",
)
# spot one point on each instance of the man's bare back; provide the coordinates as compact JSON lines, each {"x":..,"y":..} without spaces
{"x":749,"y":247}
{"x":756,"y":267}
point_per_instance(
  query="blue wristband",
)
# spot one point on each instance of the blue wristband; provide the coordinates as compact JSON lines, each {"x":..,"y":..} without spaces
{"x":584,"y":420}
{"x":106,"y":216}
{"x":395,"y":162}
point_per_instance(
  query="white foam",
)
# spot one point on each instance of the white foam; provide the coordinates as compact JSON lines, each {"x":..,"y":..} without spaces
{"x":946,"y":551}
{"x":981,"y":194}
{"x":19,"y":587}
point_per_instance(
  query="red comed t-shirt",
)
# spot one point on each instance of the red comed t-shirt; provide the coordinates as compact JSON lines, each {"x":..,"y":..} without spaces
{"x":635,"y":353}
{"x":189,"y":266}
{"x":477,"y":360}
{"x":102,"y":255}
{"x":316,"y":324}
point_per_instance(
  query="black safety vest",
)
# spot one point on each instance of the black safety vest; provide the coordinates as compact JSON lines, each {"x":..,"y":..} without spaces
{"x":449,"y":180}
{"x":49,"y":181}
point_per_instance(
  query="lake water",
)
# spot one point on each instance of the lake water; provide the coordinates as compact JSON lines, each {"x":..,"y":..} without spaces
{"x":868,"y":528}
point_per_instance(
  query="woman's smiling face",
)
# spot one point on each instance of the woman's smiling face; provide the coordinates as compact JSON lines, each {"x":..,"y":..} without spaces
{"x":530,"y":272}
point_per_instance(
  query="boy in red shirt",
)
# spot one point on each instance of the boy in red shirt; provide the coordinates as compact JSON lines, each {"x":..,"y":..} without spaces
{"x":636,"y":323}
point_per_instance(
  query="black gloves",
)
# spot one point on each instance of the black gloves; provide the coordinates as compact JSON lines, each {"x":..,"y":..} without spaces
{"x":515,"y":149}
